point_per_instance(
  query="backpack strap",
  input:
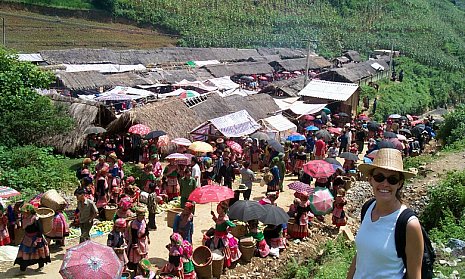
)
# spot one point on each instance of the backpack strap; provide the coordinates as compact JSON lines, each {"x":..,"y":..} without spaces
{"x":400,"y":234}
{"x":365,"y":207}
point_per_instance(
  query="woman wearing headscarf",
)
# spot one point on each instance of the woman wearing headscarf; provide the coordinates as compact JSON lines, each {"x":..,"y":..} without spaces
{"x":184,"y":222}
{"x":377,"y":257}
{"x":171,"y":174}
{"x":138,"y":239}
{"x":117,"y":241}
{"x":33,"y":248}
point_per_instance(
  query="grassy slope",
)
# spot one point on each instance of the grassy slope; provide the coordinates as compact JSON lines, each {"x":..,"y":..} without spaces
{"x":432,"y":31}
{"x":29,"y":32}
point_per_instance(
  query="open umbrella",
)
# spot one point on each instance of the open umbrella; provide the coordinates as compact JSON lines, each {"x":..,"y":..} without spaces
{"x":335,"y":130}
{"x":372,"y":154}
{"x":163,"y":141}
{"x":296,"y":137}
{"x":390,"y":135}
{"x":275,"y":215}
{"x":94,"y":130}
{"x":181,"y":141}
{"x":385,"y":144}
{"x":333,"y":161}
{"x":326,"y":110}
{"x":319,"y":169}
{"x":395,"y":116}
{"x":260,"y":136}
{"x":155,"y":134}
{"x":275,"y":145}
{"x":323,"y":134}
{"x":312,"y":128}
{"x":401,"y":137}
{"x":321,"y":202}
{"x":249,"y":78}
{"x":211,"y":193}
{"x":397,"y":144}
{"x":405,"y":131}
{"x":200,"y":146}
{"x":177,"y":156}
{"x":234,"y":146}
{"x":91,"y":260}
{"x":308,"y":117}
{"x":349,"y":156}
{"x":372,"y":126}
{"x":418,"y":129}
{"x":7,"y":192}
{"x":363,"y":117}
{"x":246,"y":210}
{"x":139,"y":129}
{"x":343,"y":114}
{"x":300,"y":187}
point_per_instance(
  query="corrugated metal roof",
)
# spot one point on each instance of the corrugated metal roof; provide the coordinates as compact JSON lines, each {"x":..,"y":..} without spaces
{"x":329,"y":90}
{"x":30,"y":57}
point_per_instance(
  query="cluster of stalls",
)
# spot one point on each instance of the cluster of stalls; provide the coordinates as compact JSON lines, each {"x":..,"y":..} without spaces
{"x":180,"y":90}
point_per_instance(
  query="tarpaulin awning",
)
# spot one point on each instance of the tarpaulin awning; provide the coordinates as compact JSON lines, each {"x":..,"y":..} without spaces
{"x":196,"y":84}
{"x":329,"y":90}
{"x":299,"y":107}
{"x":222,"y":83}
{"x":232,"y":125}
{"x":279,"y":123}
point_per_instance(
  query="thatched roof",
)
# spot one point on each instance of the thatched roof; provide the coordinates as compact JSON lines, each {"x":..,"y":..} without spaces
{"x":245,"y":68}
{"x":85,"y":114}
{"x":259,"y":106}
{"x":353,"y":72}
{"x":175,"y":76}
{"x":284,"y":53}
{"x":315,"y":62}
{"x":145,"y":57}
{"x":83,"y":80}
{"x":353,"y":55}
{"x":128,"y":79}
{"x":170,"y":115}
{"x":291,"y":87}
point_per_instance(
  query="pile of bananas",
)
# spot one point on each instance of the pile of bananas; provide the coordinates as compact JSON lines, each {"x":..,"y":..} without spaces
{"x":166,"y":206}
{"x":105,"y":226}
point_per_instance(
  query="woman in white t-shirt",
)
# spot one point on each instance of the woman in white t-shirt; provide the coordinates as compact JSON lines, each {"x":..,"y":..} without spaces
{"x":376,"y":255}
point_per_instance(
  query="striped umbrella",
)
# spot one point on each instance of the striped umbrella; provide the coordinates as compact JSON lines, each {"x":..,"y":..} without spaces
{"x":7,"y":192}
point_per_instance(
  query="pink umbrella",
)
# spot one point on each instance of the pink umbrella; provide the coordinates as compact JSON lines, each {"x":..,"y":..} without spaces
{"x":7,"y":192}
{"x":321,"y":202}
{"x":163,"y":141}
{"x":211,"y":193}
{"x":91,"y":260}
{"x":234,"y":146}
{"x":319,"y":169}
{"x":181,"y":141}
{"x":301,"y":187}
{"x":308,"y":117}
{"x":396,"y":143}
{"x":139,"y":129}
{"x":372,"y":155}
{"x":335,"y":130}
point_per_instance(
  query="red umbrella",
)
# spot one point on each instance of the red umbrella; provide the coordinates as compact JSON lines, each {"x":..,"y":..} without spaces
{"x":139,"y":129}
{"x":7,"y":192}
{"x":163,"y":141}
{"x":321,"y":202}
{"x":308,"y":117}
{"x":363,"y":117}
{"x":335,"y":130}
{"x":211,"y":193}
{"x":91,"y":260}
{"x":319,"y":169}
{"x":234,"y":146}
{"x":301,"y":187}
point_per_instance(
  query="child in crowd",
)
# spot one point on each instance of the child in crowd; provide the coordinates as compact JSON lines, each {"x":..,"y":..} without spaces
{"x":4,"y":235}
{"x":339,"y":216}
{"x":117,"y":241}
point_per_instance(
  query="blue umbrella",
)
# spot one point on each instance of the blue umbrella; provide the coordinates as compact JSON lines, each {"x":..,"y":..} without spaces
{"x":312,"y":128}
{"x":367,"y":160}
{"x":296,"y":137}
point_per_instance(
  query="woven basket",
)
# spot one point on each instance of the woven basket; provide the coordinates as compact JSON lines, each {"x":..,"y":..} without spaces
{"x":19,"y":235}
{"x":53,"y":200}
{"x":110,"y":211}
{"x":46,"y":218}
{"x":239,"y":230}
{"x":217,"y":263}
{"x":202,"y":259}
{"x":171,"y":214}
{"x":247,"y":249}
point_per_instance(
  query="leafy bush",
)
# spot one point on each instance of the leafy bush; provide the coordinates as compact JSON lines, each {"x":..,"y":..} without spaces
{"x":446,"y":197}
{"x":32,"y":170}
{"x":449,"y":227}
{"x":453,"y":128}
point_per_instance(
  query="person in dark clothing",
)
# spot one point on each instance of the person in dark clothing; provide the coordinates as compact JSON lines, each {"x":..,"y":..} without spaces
{"x":375,"y":103}
{"x":344,"y":141}
{"x":227,"y":173}
{"x":360,"y":136}
{"x":310,"y":142}
{"x":401,"y":75}
{"x":136,"y":147}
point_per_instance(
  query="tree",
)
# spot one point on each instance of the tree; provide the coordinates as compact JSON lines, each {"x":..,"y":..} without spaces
{"x":25,"y":115}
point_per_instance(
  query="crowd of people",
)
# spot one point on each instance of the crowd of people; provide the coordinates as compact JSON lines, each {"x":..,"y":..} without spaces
{"x":231,"y":161}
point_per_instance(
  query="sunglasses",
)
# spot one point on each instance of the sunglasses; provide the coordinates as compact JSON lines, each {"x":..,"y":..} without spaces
{"x":392,"y":179}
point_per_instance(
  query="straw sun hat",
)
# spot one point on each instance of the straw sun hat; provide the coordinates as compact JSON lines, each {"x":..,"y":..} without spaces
{"x":388,"y":159}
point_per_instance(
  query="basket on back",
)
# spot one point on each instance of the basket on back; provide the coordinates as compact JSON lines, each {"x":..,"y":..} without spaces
{"x":202,"y":259}
{"x":46,"y":218}
{"x":53,"y":200}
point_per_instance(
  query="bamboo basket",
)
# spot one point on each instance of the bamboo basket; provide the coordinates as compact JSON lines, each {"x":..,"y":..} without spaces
{"x":202,"y":259}
{"x":46,"y":218}
{"x":217,"y":263}
{"x":110,"y":211}
{"x":247,"y":248}
{"x":53,"y":200}
{"x":239,"y":230}
{"x":171,"y":214}
{"x":19,"y":235}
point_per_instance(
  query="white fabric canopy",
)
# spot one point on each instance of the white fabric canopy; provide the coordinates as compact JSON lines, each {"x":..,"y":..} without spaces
{"x":299,"y":107}
{"x":196,"y":84}
{"x":222,"y":83}
{"x":236,"y":124}
{"x":338,"y":91}
{"x":134,"y":92}
{"x":280,"y":123}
